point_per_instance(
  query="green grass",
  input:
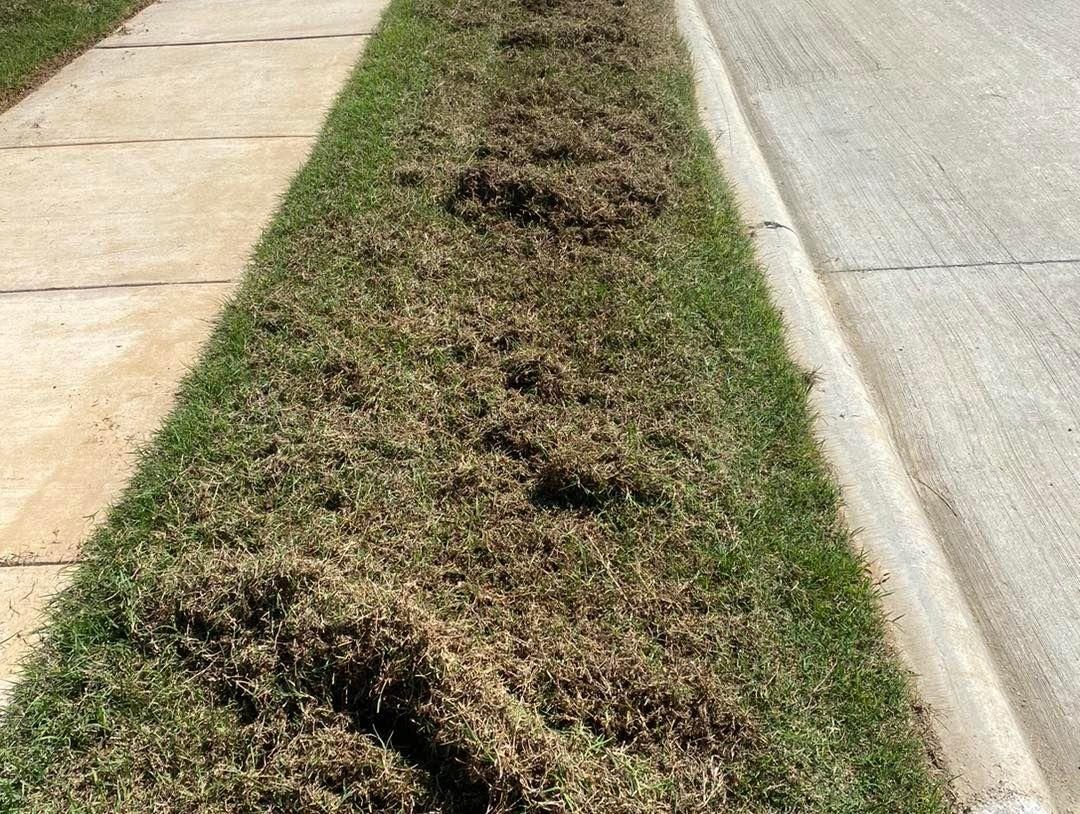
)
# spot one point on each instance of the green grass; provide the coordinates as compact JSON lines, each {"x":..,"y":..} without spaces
{"x":39,"y":36}
{"x":495,"y":489}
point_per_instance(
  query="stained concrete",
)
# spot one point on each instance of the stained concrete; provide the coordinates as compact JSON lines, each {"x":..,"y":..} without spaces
{"x":134,"y":186}
{"x":930,"y":153}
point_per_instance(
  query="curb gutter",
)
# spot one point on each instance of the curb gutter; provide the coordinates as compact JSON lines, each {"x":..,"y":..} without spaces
{"x":982,"y":742}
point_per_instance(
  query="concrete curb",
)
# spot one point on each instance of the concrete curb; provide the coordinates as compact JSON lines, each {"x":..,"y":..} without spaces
{"x":982,"y":742}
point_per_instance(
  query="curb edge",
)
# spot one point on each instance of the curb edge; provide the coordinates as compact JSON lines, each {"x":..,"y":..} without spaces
{"x":983,"y":744}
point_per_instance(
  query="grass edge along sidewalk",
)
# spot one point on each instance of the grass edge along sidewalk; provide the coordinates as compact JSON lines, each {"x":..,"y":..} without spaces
{"x":41,"y":36}
{"x":495,"y":489}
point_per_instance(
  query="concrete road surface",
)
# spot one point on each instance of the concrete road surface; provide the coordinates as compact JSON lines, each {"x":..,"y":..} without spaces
{"x":133,"y":185}
{"x":930,"y":152}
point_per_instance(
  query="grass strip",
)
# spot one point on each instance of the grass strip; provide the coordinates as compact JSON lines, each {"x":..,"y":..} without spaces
{"x":40,"y":36}
{"x":495,"y":489}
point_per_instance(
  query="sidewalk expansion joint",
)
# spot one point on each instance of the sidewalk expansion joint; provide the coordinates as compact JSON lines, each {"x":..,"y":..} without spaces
{"x":116,"y":142}
{"x":102,"y":286}
{"x":947,"y":266}
{"x":297,"y":38}
{"x":38,"y":563}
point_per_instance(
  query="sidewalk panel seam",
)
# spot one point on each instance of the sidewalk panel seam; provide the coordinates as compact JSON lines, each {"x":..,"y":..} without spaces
{"x":164,"y":140}
{"x":299,"y":37}
{"x":105,"y":286}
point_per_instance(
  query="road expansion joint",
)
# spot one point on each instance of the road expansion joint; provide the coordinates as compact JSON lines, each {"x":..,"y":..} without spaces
{"x":977,"y":264}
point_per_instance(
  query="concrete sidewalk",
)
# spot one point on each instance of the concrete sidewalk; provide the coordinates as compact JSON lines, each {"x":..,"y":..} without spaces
{"x":930,"y":153}
{"x":134,"y":186}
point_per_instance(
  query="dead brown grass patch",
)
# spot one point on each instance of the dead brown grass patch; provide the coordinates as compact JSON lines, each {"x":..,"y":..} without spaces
{"x":496,"y":493}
